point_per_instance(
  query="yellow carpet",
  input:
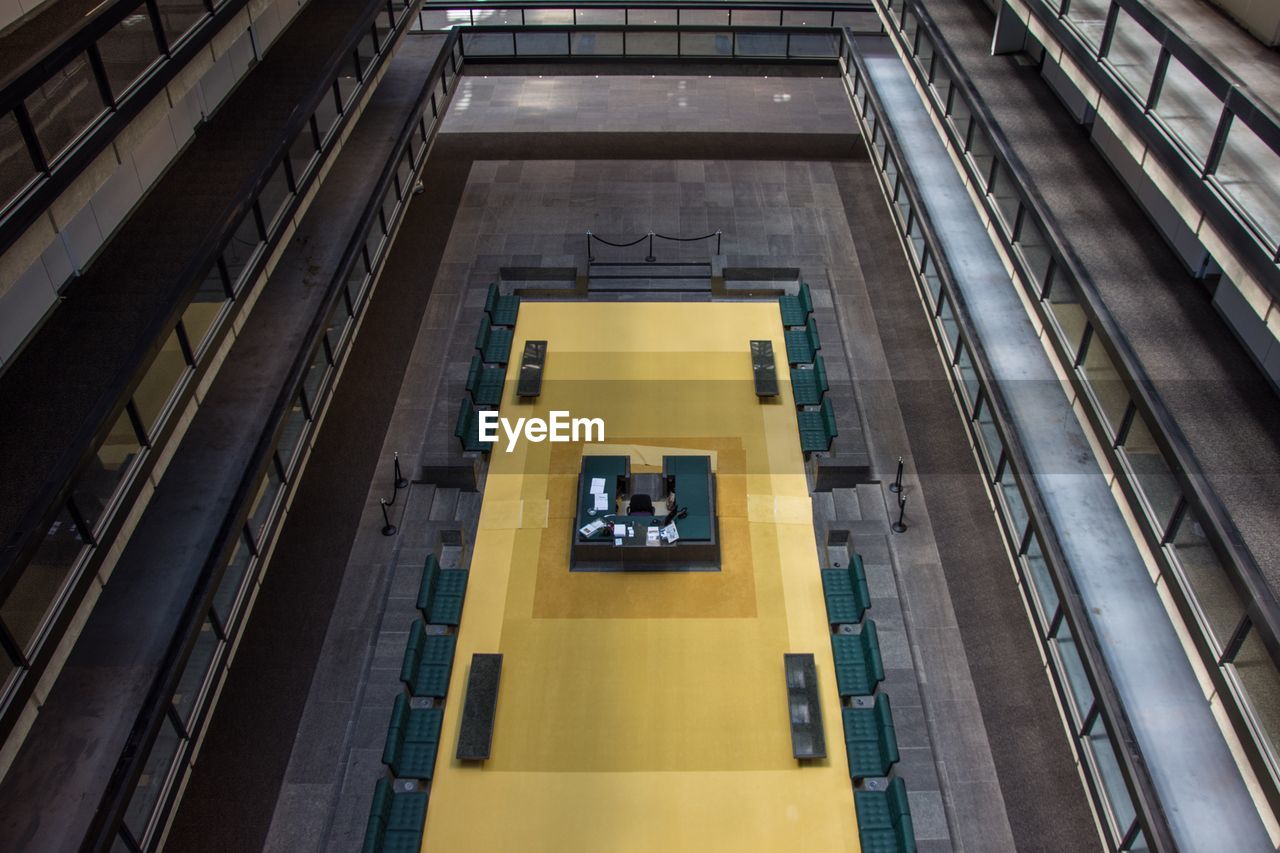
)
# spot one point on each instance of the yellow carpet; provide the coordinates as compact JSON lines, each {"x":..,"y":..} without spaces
{"x":646,"y":711}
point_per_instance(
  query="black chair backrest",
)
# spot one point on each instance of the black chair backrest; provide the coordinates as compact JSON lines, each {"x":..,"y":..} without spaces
{"x":641,"y":505}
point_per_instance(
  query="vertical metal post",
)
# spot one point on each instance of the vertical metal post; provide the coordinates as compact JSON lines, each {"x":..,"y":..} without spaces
{"x":650,"y":258}
{"x":388,"y":529}
{"x":898,"y":526}
{"x":896,"y":485}
{"x":400,"y":481}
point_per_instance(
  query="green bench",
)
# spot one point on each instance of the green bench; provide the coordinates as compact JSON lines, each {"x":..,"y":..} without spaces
{"x":494,"y":342}
{"x":395,"y":820}
{"x":501,"y":309}
{"x":884,"y":820}
{"x":796,"y":309}
{"x":858,"y":665}
{"x":441,"y":592}
{"x":869,"y":739}
{"x":802,"y":344}
{"x":809,"y":386}
{"x":468,"y":429}
{"x":428,"y":662}
{"x":412,"y":740}
{"x":846,"y":593}
{"x":693,"y":492}
{"x":485,"y":381}
{"x":817,"y":427}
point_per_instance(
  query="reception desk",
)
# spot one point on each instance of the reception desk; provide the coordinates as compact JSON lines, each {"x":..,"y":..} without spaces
{"x":697,"y":547}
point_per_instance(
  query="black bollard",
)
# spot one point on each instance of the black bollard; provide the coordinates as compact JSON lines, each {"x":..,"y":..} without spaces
{"x":898,"y":526}
{"x":651,"y":257}
{"x":388,"y":529}
{"x":401,"y":482}
{"x":896,"y":485}
{"x":589,"y":258}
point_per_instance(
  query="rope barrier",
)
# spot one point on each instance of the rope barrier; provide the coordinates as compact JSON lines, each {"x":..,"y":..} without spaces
{"x":650,"y":237}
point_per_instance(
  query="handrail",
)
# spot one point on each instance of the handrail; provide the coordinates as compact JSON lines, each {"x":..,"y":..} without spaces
{"x":1258,"y":249}
{"x":1104,"y":690}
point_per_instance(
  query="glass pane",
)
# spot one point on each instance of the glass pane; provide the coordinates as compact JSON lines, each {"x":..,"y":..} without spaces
{"x":1153,"y":474}
{"x":1089,"y":17}
{"x":264,"y":504}
{"x":243,"y":246}
{"x":275,"y":192}
{"x":1261,"y":682}
{"x":982,"y":154}
{"x":313,"y":382}
{"x":178,"y":17}
{"x":65,"y":106}
{"x":302,"y":152}
{"x":544,"y":44}
{"x":1109,"y":774}
{"x":161,"y":380}
{"x":41,"y":581}
{"x":8,"y":669}
{"x":204,"y":308}
{"x":500,"y":44}
{"x":358,"y":281}
{"x":1064,"y":307}
{"x":1250,"y":172}
{"x":968,"y":377}
{"x":127,"y":50}
{"x":326,"y":115}
{"x":706,"y":44}
{"x":950,"y":329}
{"x":960,"y":116}
{"x":1013,"y":503}
{"x":16,"y":166}
{"x":224,"y":600}
{"x":1073,"y":670}
{"x":348,"y":82}
{"x":1105,"y":384}
{"x":932,"y":280}
{"x":366,"y":51}
{"x":1005,"y":197}
{"x":754,"y":44}
{"x":991,"y":442}
{"x":1133,"y":54}
{"x":1189,"y":110}
{"x":295,"y":421}
{"x":404,"y":172}
{"x":915,"y":239}
{"x":1035,"y":250}
{"x":336,"y":327}
{"x":106,"y":469}
{"x":151,"y":784}
{"x":1206,"y":579}
{"x":190,"y":684}
{"x":1041,"y":581}
{"x":941,"y":83}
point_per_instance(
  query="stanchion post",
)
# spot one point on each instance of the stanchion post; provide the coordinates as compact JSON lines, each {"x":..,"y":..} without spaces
{"x":717,"y":241}
{"x":651,"y":258}
{"x":898,"y":526}
{"x":589,"y":258}
{"x":896,"y":485}
{"x":388,"y":529}
{"x":401,"y":482}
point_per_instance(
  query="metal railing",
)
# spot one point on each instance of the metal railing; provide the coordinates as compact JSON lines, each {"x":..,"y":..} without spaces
{"x":1220,"y":141}
{"x":440,"y":14}
{"x":1186,"y":527}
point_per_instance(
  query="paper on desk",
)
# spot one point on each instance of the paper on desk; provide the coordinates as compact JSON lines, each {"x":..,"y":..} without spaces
{"x":597,"y":485}
{"x":670,"y":533}
{"x":602,"y":501}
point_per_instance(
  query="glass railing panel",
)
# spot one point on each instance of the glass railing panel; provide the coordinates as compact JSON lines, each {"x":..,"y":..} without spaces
{"x":195,"y":675}
{"x":489,"y":44}
{"x":652,"y":17}
{"x":128,"y":49}
{"x":303,"y":152}
{"x":653,"y":44}
{"x":1072,"y":668}
{"x":815,"y":45}
{"x":859,"y":22}
{"x":1133,"y":55}
{"x":805,"y":18}
{"x":164,"y":377}
{"x":291,"y":431}
{"x":1107,"y":770}
{"x":992,"y":446}
{"x":706,"y":44}
{"x":947,"y":319}
{"x":1188,"y":110}
{"x":755,"y":17}
{"x":1220,"y":605}
{"x":1249,"y":172}
{"x":313,"y":382}
{"x":327,"y":115}
{"x":1257,"y":675}
{"x":107,"y":469}
{"x":1105,"y":385}
{"x":1069,"y":316}
{"x":1044,"y":592}
{"x":1004,"y":192}
{"x":274,"y":195}
{"x":969,"y":383}
{"x":8,"y":670}
{"x":17,"y":169}
{"x":561,"y":17}
{"x":179,"y":17}
{"x":65,"y":106}
{"x":601,"y":17}
{"x":243,"y":247}
{"x":262,"y":509}
{"x":1035,"y":251}
{"x":39,"y":587}
{"x":1015,"y":507}
{"x":941,"y":84}
{"x":542,"y":44}
{"x":227,"y":596}
{"x":496,"y":17}
{"x":982,"y":153}
{"x":154,"y":779}
{"x":1090,"y":19}
{"x":1152,"y":472}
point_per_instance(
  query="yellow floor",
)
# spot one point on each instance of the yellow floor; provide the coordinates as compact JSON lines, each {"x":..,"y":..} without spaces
{"x":646,"y":711}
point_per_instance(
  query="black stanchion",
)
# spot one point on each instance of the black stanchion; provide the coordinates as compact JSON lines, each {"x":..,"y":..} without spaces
{"x":589,"y":257}
{"x":388,"y":529}
{"x":401,"y":482}
{"x":896,"y":485}
{"x":650,"y":258}
{"x":898,"y":526}
{"x":717,"y":242}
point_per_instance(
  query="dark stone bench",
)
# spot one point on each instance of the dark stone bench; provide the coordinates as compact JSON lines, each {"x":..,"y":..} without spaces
{"x":808,"y":740}
{"x":475,"y":735}
{"x":532,"y":362}
{"x":764,"y":369}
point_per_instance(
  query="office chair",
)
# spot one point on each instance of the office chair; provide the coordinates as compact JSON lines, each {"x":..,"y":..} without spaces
{"x":641,"y":505}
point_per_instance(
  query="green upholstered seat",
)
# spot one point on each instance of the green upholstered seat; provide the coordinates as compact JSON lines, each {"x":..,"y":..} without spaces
{"x":428,"y":661}
{"x":796,"y":309}
{"x":494,"y":342}
{"x":694,"y":493}
{"x":869,"y":739}
{"x":413,"y":737}
{"x":501,"y":309}
{"x":846,"y":593}
{"x":858,"y":665}
{"x":441,"y":592}
{"x":817,"y":427}
{"x":802,"y":344}
{"x":809,"y":386}
{"x":484,"y":382}
{"x":467,"y":429}
{"x":884,"y":819}
{"x":395,"y":820}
